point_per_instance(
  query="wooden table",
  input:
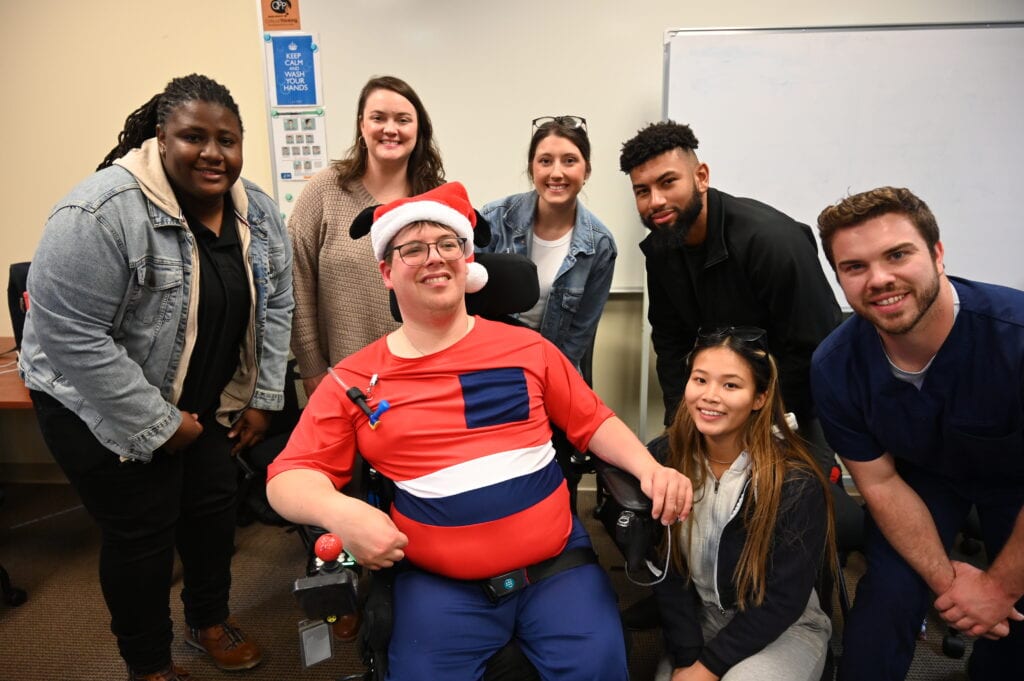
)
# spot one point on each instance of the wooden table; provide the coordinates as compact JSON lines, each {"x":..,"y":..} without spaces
{"x":13,"y":393}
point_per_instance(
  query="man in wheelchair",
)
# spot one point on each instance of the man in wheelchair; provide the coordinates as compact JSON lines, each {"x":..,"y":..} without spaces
{"x":485,"y":547}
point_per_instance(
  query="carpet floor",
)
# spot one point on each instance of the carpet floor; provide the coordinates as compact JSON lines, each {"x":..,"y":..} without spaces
{"x":50,"y":547}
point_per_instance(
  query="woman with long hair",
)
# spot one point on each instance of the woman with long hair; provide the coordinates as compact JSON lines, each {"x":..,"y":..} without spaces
{"x":573,"y":250}
{"x":340,"y":304}
{"x":154,"y":350}
{"x":744,"y":598}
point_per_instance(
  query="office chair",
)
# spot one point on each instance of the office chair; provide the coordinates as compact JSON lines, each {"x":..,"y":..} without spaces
{"x":17,"y":298}
{"x":17,"y":303}
{"x":13,"y":596}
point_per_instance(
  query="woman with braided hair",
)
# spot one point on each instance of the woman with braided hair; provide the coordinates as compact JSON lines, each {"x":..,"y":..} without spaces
{"x":154,"y":350}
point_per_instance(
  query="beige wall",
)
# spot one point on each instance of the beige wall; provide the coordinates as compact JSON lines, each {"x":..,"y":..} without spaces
{"x":73,"y":70}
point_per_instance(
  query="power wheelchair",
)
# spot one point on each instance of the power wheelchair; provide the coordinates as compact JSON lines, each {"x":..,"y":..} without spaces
{"x":332,"y":589}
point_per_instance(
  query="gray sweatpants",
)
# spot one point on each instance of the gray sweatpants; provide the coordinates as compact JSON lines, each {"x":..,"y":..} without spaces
{"x":797,"y":655}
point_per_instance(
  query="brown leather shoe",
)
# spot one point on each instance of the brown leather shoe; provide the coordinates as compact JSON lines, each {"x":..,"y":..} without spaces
{"x":172,"y":673}
{"x":346,"y":627}
{"x":227,"y":645}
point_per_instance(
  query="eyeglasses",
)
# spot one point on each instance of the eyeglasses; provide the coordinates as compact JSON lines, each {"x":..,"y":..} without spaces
{"x":415,"y":253}
{"x":567,"y":121}
{"x":747,"y":334}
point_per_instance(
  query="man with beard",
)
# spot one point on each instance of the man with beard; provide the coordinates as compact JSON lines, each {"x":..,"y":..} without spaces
{"x":717,"y":260}
{"x":922,"y":394}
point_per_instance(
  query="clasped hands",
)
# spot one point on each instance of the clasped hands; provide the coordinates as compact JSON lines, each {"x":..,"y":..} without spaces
{"x":976,"y":604}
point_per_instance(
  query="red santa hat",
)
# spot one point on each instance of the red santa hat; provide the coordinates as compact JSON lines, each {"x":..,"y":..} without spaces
{"x":446,"y":205}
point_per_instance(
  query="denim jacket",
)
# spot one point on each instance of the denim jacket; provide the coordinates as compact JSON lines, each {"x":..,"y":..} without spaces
{"x":113,"y":291}
{"x":584,"y":279}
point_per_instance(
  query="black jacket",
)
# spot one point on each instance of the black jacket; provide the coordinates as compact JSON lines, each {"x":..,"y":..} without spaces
{"x":761,"y":268}
{"x":796,"y":565}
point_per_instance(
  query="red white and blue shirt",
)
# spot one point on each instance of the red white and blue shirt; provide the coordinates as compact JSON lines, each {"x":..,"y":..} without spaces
{"x":467,"y":442}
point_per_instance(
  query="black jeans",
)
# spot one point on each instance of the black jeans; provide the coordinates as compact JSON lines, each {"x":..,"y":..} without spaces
{"x":145,"y":511}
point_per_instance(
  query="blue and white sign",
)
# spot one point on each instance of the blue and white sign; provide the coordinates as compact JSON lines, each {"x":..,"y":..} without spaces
{"x":295,"y":81}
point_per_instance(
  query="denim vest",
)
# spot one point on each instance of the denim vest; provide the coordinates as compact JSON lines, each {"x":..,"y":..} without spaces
{"x":113,"y":300}
{"x":584,"y":279}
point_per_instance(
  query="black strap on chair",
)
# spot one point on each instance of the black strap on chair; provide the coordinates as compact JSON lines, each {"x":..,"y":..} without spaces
{"x":12,"y":595}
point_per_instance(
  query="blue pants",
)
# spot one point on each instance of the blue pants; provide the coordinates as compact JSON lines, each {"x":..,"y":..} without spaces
{"x":567,"y":625}
{"x":892,"y":600}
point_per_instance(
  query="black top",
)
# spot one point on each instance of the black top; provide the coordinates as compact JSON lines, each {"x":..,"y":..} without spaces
{"x":223,"y":314}
{"x":797,"y":564}
{"x":757,"y":267}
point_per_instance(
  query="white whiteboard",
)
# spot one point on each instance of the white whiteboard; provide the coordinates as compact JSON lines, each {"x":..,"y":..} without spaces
{"x":799,"y":118}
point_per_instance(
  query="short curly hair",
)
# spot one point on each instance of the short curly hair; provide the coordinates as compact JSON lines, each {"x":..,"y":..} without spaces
{"x":859,"y":208}
{"x":655,"y":140}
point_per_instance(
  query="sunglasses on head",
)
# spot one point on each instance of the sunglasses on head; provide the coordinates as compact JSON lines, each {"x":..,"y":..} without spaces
{"x":567,"y":121}
{"x":753,"y":335}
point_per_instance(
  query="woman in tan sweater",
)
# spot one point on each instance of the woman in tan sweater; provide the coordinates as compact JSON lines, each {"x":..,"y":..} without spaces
{"x":340,"y":303}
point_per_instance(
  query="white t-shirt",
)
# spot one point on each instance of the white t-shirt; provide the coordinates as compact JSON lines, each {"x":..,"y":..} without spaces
{"x":548,"y":257}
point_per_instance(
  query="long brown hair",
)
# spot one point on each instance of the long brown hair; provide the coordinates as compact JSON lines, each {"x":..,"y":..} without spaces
{"x":774,"y":449}
{"x":425,"y":170}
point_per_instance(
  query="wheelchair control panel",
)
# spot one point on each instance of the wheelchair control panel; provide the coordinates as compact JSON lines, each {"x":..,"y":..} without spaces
{"x":324,"y":596}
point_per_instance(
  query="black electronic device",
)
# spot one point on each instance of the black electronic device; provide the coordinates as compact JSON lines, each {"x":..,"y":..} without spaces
{"x":327,"y":594}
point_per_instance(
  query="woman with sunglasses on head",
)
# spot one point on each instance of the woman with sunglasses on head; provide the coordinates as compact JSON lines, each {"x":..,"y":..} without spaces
{"x":155,"y":350}
{"x":749,"y":576}
{"x":340,"y":305}
{"x":573,"y":250}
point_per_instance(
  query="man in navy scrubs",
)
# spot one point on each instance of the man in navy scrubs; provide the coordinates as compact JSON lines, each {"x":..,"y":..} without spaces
{"x":921,"y":393}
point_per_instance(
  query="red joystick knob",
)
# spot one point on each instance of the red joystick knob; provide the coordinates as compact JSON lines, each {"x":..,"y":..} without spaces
{"x":328,"y":547}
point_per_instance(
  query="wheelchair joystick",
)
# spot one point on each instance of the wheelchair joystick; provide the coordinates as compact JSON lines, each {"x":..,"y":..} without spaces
{"x":331,"y":592}
{"x":328,"y":548}
{"x":324,"y":597}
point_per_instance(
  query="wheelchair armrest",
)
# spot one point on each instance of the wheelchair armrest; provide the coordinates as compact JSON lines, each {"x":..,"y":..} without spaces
{"x":622,"y":487}
{"x":625,"y":513}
